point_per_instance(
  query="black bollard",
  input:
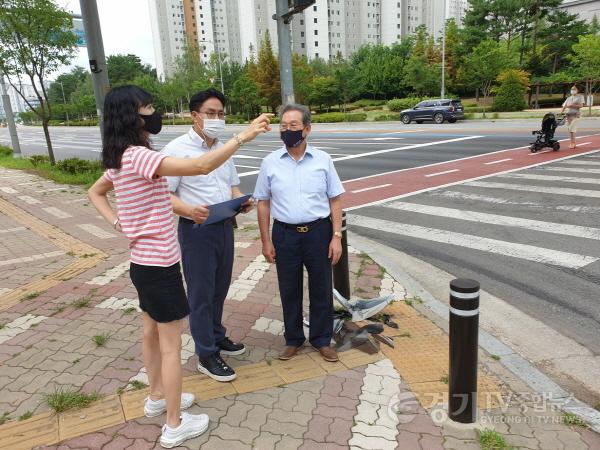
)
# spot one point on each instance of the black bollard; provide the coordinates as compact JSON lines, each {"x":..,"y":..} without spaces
{"x":464,"y":332}
{"x":341,"y":272}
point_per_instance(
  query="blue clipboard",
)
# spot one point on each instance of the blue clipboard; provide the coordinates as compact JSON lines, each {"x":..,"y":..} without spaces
{"x":223,"y":211}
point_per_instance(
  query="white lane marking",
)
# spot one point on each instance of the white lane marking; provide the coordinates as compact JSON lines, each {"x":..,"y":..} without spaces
{"x":534,"y":189}
{"x":511,"y":249}
{"x":31,"y":258}
{"x":12,"y":230}
{"x":581,"y":162}
{"x":496,"y":219}
{"x":8,"y":190}
{"x":110,"y":274}
{"x":371,"y":188}
{"x":387,"y":138}
{"x":457,"y":195}
{"x":527,"y":176}
{"x":320,"y":147}
{"x":441,"y":173}
{"x":96,"y":231}
{"x":407,"y":147}
{"x":245,"y":167}
{"x":497,"y":161}
{"x":420,"y":191}
{"x":59,"y":213}
{"x":29,"y":200}
{"x":570,"y":169}
{"x":246,"y":157}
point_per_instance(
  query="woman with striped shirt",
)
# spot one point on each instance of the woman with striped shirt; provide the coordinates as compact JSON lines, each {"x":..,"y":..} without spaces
{"x":144,"y":215}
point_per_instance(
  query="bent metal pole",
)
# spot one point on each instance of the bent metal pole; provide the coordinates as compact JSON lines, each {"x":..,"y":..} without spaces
{"x":341,"y":271}
{"x":464,"y":330}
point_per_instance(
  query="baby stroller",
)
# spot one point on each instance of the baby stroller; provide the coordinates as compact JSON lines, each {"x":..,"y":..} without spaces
{"x":545,"y":136}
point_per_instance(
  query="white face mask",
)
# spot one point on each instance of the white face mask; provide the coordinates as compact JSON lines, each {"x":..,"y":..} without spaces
{"x":213,"y":127}
{"x":573,"y":92}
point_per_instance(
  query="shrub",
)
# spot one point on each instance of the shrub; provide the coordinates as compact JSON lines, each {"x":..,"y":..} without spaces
{"x":371,"y":108}
{"x":5,"y":151}
{"x":399,"y":104}
{"x":368,"y":102}
{"x":77,"y":165}
{"x":355,"y":117}
{"x":385,"y":117}
{"x":38,"y":160}
{"x":510,"y":95}
{"x":328,"y":117}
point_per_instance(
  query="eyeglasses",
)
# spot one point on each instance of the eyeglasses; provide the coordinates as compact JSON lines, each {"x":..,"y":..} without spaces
{"x":213,"y":114}
{"x":291,"y":126}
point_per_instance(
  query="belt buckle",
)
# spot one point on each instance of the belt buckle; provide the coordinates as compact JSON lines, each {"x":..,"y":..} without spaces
{"x":303,"y":229}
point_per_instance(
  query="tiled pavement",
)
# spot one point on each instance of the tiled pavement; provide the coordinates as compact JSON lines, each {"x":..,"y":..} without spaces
{"x":46,"y":343}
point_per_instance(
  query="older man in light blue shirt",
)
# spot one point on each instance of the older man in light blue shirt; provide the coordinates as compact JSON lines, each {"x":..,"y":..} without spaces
{"x":299,"y":186}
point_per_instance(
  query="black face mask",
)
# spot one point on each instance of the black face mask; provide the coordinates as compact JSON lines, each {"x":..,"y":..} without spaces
{"x":292,"y":138}
{"x":152,"y":122}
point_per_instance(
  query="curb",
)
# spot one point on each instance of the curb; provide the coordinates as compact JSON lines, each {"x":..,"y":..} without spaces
{"x":511,"y":359}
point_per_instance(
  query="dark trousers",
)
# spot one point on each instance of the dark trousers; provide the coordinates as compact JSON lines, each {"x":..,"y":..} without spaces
{"x":207,"y":257}
{"x":294,"y":251}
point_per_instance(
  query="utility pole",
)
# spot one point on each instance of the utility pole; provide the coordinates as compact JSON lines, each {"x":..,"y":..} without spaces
{"x":95,"y":49}
{"x":12,"y":128}
{"x":443,"y":93}
{"x":285,"y":52}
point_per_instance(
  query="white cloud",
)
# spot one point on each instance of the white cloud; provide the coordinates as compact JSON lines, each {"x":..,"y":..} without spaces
{"x":125,"y":28}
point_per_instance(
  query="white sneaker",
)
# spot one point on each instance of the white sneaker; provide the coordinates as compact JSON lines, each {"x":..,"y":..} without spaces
{"x":191,"y":426}
{"x":153,"y":408}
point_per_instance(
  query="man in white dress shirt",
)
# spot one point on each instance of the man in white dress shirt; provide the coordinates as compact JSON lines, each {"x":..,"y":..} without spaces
{"x":207,"y":252}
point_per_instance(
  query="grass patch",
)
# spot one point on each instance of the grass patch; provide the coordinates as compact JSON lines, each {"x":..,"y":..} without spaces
{"x":82,"y":302}
{"x":63,"y":400}
{"x":41,"y":167}
{"x":444,"y":379}
{"x":32,"y":295}
{"x":405,"y":334}
{"x":408,"y":301}
{"x":58,"y":310}
{"x":495,"y":357}
{"x":492,"y":440}
{"x":100,"y":339}
{"x":573,"y":420}
{"x":597,"y":406}
{"x":75,"y":361}
{"x":129,"y":310}
{"x":2,"y":325}
{"x":88,"y":255}
{"x":137,"y":385}
{"x":26,"y":415}
{"x":121,"y":391}
{"x":5,"y":417}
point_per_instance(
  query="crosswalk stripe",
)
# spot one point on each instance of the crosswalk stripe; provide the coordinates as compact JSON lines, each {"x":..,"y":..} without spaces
{"x":580,"y":162}
{"x":457,"y":195}
{"x":534,"y":189}
{"x":569,"y":169}
{"x":512,"y":249}
{"x":529,"y":176}
{"x":496,"y":219}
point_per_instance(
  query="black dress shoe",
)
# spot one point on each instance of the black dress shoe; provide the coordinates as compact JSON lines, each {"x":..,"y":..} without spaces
{"x":216,"y":368}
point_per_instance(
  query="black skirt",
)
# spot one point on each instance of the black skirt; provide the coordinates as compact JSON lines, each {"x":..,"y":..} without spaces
{"x":160,"y":291}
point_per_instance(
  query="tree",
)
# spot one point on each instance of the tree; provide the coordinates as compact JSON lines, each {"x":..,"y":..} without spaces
{"x":123,"y":69}
{"x":267,"y":74}
{"x":424,"y":78}
{"x":586,"y":61}
{"x":325,"y":91}
{"x":245,"y":93}
{"x":69,"y":82}
{"x":560,"y":33}
{"x":303,"y":76}
{"x":35,"y":40}
{"x":510,"y":95}
{"x":482,"y":67}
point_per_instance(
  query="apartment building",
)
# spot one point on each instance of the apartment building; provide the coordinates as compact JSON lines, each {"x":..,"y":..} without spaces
{"x":329,"y":28}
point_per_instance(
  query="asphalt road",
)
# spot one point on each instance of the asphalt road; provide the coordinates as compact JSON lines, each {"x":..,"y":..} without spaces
{"x":531,"y":240}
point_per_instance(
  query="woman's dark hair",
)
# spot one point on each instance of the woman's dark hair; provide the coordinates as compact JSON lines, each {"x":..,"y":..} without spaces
{"x":122,"y":123}
{"x":199,"y":98}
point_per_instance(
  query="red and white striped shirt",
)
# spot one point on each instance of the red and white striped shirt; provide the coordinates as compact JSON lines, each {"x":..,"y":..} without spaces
{"x":144,"y":208}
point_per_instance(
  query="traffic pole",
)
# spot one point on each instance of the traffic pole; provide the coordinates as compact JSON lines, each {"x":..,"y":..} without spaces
{"x":464,"y":333}
{"x":95,"y":49}
{"x":341,"y":271}
{"x":10,"y":119}
{"x":285,"y":52}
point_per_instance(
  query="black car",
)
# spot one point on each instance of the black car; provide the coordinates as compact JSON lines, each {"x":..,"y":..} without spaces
{"x":436,"y":110}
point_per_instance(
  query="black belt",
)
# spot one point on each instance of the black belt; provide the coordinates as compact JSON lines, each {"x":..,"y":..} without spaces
{"x":302,"y":227}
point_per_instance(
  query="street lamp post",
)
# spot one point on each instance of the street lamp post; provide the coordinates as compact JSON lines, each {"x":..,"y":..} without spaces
{"x":62,"y":88}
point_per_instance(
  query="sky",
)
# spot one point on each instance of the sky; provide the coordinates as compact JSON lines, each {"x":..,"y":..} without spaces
{"x":125,"y":28}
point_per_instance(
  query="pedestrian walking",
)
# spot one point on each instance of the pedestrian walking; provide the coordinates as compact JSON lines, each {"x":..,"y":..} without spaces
{"x":207,"y":251}
{"x":299,"y":186}
{"x":144,"y":215}
{"x":573,"y":105}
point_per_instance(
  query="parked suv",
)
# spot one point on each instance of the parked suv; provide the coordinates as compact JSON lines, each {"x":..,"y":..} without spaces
{"x":436,"y":110}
